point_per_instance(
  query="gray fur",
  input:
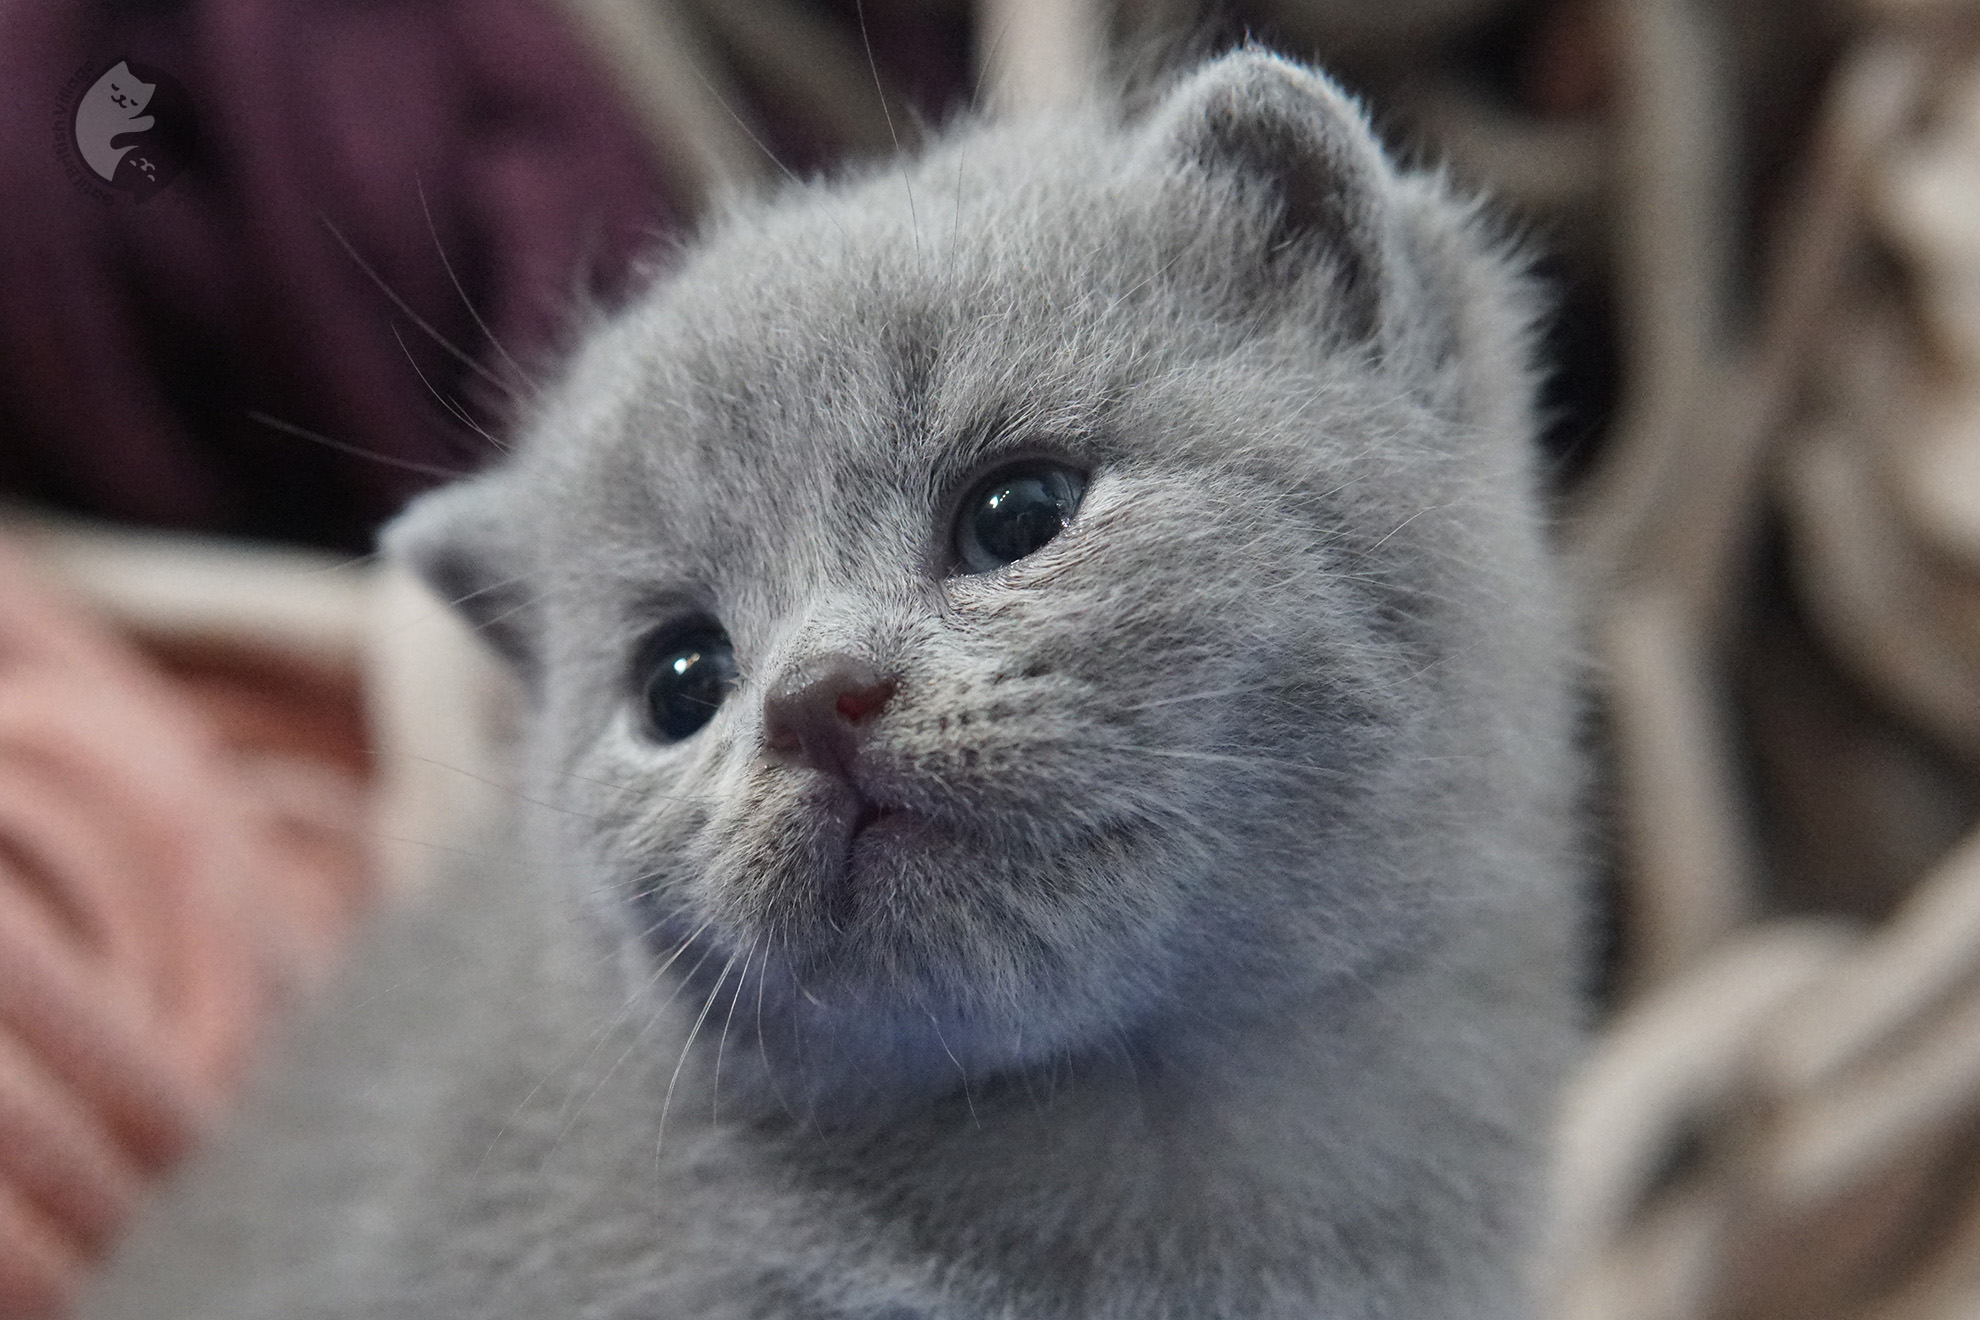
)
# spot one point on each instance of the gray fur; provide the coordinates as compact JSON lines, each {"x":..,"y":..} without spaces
{"x":1226,"y":968}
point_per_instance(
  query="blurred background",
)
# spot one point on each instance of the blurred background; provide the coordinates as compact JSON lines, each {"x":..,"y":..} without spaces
{"x":268,"y":268}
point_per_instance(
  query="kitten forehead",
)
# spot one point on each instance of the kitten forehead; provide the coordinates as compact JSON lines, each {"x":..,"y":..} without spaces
{"x":810,"y":366}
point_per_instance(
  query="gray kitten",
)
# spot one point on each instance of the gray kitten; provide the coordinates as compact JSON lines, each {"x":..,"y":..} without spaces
{"x":1056,"y":708}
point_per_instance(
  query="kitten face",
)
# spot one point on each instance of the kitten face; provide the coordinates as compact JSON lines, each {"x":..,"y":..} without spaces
{"x":1227,"y":734}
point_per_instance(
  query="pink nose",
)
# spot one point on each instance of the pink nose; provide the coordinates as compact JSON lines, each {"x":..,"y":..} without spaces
{"x":819,"y":715}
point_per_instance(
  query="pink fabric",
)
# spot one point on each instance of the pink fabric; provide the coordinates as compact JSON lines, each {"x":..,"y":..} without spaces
{"x":175,"y":858}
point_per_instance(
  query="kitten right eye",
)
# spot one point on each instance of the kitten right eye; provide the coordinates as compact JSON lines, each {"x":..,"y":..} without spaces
{"x":685,"y":678}
{"x":1015,"y":511}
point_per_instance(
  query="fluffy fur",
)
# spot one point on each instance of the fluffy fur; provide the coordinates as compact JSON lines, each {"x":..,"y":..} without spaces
{"x":1218,"y":960}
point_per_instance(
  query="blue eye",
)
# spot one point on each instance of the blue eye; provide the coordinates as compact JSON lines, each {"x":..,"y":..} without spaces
{"x":1014,"y":512}
{"x":686,"y":677}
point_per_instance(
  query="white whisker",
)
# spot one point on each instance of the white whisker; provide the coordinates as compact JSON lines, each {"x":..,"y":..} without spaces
{"x":446,"y":344}
{"x":728,"y":1020}
{"x":419,"y":186}
{"x":667,"y":1104}
{"x":454,"y":410}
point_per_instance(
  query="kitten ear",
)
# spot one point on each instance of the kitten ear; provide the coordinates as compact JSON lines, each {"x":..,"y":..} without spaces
{"x":1277,"y":133}
{"x":464,"y":542}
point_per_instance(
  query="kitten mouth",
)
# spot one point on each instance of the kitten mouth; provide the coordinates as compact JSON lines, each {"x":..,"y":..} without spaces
{"x":870,"y":825}
{"x":874,"y":829}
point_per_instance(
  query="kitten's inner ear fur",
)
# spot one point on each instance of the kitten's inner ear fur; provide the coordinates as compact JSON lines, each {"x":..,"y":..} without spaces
{"x":462,"y":541}
{"x":1255,"y":120}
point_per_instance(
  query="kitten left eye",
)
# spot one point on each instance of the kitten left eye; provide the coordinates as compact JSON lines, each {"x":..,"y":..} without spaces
{"x":1014,"y":512}
{"x":686,"y":680}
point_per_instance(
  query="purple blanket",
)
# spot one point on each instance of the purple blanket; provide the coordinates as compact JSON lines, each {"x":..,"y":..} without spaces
{"x":138,"y":338}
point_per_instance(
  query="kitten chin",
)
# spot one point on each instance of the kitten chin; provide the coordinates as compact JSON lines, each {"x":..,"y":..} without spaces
{"x":1058,"y":714}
